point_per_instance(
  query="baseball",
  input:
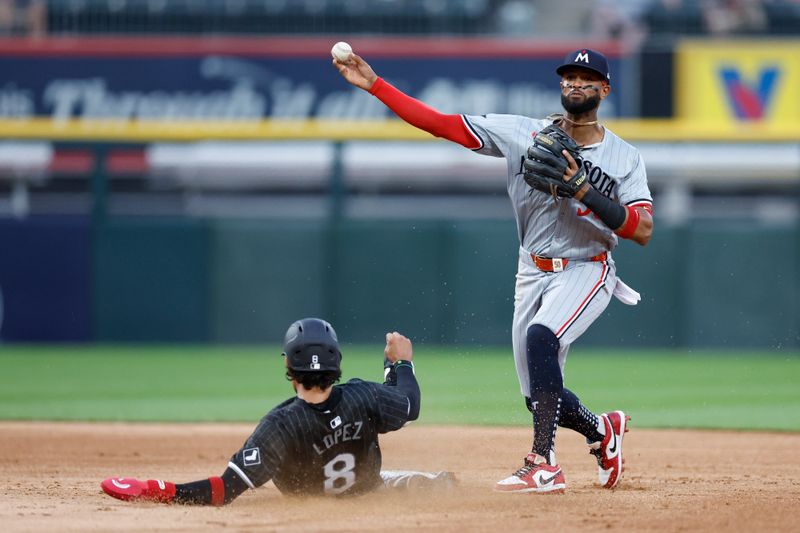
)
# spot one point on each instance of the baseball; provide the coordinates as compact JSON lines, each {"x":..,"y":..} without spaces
{"x":341,"y":51}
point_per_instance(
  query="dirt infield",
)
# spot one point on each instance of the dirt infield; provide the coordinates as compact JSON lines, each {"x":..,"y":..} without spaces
{"x":674,"y":481}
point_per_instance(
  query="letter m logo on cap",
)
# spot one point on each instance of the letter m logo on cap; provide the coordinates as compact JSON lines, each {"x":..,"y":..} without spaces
{"x":582,"y":56}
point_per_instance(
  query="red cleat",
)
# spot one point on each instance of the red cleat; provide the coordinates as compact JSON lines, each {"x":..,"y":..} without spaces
{"x":131,"y":489}
{"x":609,"y":451}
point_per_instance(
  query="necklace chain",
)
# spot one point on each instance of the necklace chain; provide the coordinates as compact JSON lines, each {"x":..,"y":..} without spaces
{"x":592,"y":123}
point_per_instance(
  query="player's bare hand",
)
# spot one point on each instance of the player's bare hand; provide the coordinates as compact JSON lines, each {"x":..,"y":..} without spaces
{"x":572,"y":169}
{"x":398,"y":347}
{"x":572,"y":166}
{"x":357,"y":72}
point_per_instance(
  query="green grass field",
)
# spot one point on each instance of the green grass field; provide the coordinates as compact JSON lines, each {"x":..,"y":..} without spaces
{"x":699,"y":389}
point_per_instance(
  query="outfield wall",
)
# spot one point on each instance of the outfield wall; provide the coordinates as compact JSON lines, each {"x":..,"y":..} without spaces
{"x":192,"y":279}
{"x":720,"y":284}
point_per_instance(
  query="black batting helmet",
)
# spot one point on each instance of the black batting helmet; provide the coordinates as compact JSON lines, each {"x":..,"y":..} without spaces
{"x":310,"y":345}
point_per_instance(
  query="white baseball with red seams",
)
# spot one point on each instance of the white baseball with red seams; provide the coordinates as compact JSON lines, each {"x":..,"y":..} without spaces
{"x":341,"y":51}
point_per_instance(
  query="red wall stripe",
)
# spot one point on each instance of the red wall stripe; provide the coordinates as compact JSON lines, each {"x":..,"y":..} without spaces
{"x":80,"y":161}
{"x":311,"y":47}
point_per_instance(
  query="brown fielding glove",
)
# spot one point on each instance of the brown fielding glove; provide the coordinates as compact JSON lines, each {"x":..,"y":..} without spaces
{"x":545,"y":165}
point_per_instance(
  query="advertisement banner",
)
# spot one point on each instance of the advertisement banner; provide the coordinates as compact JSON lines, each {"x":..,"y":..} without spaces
{"x":738,"y":81}
{"x":238,"y":83}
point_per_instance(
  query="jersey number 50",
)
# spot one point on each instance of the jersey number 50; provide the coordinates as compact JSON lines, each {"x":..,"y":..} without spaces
{"x":339,"y":475}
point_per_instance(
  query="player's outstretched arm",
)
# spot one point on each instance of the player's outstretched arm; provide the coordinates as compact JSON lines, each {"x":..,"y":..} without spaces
{"x":451,"y":127}
{"x":212,"y":491}
{"x":399,"y":352}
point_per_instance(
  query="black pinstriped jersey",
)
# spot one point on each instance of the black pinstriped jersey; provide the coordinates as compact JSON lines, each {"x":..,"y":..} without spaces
{"x":328,"y":448}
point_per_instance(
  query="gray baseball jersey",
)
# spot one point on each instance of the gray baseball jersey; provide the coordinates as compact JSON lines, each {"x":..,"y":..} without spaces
{"x":566,"y":302}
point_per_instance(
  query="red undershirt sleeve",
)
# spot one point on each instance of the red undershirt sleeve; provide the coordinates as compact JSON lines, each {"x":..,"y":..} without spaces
{"x":450,"y":127}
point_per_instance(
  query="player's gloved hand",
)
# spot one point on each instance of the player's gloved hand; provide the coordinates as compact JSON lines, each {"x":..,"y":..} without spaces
{"x":547,"y":169}
{"x":130,"y":489}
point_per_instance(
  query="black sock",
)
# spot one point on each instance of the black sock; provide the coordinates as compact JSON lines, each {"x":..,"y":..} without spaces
{"x":575,"y":415}
{"x":546,"y":387}
{"x":194,"y":493}
{"x":199,"y":492}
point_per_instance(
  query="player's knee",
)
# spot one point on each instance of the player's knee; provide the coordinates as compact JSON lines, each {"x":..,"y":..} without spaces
{"x":545,"y":372}
{"x":542,"y":337}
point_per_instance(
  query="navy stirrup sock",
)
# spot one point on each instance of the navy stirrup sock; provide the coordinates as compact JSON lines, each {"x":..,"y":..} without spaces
{"x":547,"y":385}
{"x":575,"y":415}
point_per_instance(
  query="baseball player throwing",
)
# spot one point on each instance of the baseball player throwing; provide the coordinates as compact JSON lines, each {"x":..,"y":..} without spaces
{"x":323,"y":441}
{"x":576,"y":188}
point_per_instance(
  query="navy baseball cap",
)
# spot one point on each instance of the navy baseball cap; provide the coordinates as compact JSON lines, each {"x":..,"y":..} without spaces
{"x":311,"y":345}
{"x":588,"y":59}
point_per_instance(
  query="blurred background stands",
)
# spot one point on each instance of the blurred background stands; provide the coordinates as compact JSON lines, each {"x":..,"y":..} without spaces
{"x":271,"y":16}
{"x":23,"y":17}
{"x":722,"y":17}
{"x":564,"y":19}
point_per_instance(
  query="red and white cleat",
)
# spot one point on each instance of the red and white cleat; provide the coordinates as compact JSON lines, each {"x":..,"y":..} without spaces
{"x":535,"y":476}
{"x":609,"y":451}
{"x":131,"y":489}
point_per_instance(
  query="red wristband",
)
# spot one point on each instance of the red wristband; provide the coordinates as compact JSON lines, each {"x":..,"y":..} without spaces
{"x":217,"y":491}
{"x":629,"y":227}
